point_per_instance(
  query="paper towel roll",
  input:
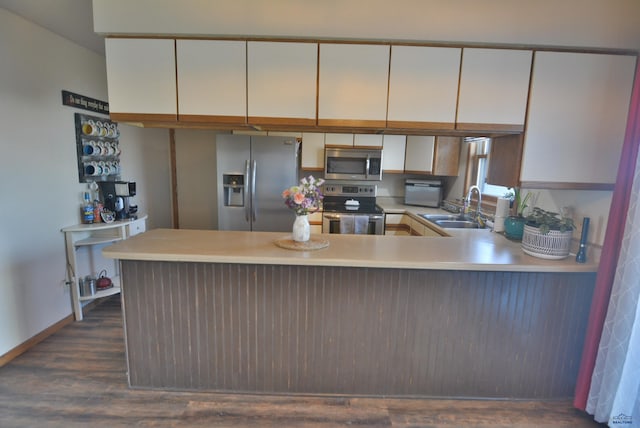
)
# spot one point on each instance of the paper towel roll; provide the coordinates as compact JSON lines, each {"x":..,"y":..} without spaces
{"x":502,"y":207}
{"x":498,"y":224}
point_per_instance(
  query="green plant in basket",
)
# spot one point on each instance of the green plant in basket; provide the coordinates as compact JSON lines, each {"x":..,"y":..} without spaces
{"x":549,"y":220}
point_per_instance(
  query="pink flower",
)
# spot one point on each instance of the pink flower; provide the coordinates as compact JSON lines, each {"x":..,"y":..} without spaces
{"x":298,"y":198}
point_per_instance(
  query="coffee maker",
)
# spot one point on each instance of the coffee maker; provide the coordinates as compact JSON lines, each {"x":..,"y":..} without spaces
{"x":116,"y":196}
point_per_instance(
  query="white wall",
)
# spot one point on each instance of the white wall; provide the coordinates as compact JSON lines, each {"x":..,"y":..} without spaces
{"x":39,"y":187}
{"x":145,"y":160}
{"x":577,"y":23}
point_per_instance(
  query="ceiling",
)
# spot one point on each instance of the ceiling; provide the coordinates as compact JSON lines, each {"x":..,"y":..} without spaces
{"x":71,"y":19}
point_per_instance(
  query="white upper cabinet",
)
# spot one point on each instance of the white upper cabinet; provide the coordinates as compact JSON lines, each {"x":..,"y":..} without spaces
{"x":141,"y":78}
{"x":423,"y":87}
{"x":577,"y":114}
{"x":312,"y":151}
{"x":353,"y":81}
{"x":332,"y":139}
{"x":211,"y":80}
{"x":282,"y":80}
{"x":367,"y":140}
{"x":419,"y":154}
{"x":393,"y":148}
{"x":494,"y":85}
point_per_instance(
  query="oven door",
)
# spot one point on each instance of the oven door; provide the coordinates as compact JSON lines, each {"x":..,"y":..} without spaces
{"x":360,"y":224}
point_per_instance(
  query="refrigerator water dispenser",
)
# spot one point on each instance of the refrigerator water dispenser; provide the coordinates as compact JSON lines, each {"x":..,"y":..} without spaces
{"x":233,"y":190}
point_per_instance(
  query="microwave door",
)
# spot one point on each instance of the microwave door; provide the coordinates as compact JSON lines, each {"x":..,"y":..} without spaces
{"x":345,"y":168}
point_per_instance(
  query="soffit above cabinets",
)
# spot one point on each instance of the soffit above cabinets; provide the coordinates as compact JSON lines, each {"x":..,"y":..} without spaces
{"x":530,"y":24}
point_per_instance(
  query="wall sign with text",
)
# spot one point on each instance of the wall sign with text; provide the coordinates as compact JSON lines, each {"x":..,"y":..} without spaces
{"x":85,"y":103}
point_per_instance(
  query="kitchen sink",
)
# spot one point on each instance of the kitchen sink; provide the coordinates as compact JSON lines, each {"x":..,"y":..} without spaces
{"x":452,"y":221}
{"x":441,"y":217}
{"x":458,"y":224}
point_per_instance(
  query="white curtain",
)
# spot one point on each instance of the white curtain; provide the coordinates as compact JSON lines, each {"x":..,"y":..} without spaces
{"x":614,"y":395}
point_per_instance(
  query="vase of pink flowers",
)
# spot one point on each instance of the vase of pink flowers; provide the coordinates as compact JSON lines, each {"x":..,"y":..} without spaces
{"x":303,"y":199}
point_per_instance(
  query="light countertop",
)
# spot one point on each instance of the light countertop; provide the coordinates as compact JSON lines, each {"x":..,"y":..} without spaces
{"x":477,"y":250}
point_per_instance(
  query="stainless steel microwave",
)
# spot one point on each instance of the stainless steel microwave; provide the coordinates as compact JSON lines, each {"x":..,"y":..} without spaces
{"x":348,"y":163}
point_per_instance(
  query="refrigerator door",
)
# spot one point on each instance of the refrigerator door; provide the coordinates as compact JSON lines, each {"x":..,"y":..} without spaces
{"x":275,"y":169}
{"x":233,"y":153}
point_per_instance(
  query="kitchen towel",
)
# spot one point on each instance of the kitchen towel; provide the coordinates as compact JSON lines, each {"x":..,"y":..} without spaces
{"x":347,"y":224}
{"x":361,"y":225}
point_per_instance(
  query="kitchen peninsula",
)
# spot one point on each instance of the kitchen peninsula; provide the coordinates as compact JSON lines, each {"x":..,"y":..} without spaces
{"x":469,"y":315}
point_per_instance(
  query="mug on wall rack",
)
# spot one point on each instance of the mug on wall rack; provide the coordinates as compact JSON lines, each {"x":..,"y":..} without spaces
{"x":102,"y":130}
{"x":90,"y":169}
{"x":89,"y":148}
{"x":89,"y":127}
{"x":112,"y":131}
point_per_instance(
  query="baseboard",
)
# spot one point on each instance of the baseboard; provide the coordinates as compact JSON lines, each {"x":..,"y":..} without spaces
{"x":33,"y":341}
{"x":24,"y":346}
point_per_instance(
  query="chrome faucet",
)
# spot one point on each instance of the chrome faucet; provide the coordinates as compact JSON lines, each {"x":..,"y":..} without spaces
{"x":467,"y":199}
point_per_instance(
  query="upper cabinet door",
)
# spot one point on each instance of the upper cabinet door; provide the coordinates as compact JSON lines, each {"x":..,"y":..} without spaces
{"x":353,"y":82}
{"x":282,"y":80}
{"x":334,"y":139}
{"x":505,"y":157}
{"x":446,"y":156}
{"x":212,"y":81}
{"x":367,"y":140}
{"x":141,"y":79}
{"x":423,"y":87}
{"x":577,"y":114}
{"x":419,"y":154}
{"x":312,"y":151}
{"x":494,"y":85}
{"x":393,"y":148}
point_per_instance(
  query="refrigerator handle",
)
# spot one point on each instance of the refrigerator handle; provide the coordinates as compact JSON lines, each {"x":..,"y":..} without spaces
{"x":246,"y":190}
{"x":253,"y":191}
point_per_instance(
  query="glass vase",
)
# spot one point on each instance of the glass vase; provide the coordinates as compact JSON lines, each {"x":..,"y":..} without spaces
{"x":301,"y":228}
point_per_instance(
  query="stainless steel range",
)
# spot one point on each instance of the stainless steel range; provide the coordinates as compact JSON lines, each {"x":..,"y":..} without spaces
{"x":351,"y":208}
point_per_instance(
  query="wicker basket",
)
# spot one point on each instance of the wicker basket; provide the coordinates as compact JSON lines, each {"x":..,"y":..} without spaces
{"x":553,"y":245}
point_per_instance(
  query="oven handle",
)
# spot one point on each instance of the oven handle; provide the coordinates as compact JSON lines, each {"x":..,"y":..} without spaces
{"x":337,"y":216}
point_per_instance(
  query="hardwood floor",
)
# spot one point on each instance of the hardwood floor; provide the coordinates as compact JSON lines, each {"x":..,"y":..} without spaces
{"x":77,"y":378}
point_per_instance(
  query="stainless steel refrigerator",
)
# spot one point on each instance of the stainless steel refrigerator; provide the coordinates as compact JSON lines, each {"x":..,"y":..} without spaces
{"x":252,"y":173}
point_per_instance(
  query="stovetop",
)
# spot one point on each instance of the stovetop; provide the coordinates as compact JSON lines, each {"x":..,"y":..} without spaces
{"x":340,"y":206}
{"x":351,"y":198}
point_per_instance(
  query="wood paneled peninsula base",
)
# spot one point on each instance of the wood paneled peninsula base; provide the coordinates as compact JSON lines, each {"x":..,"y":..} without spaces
{"x":247,"y":316}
